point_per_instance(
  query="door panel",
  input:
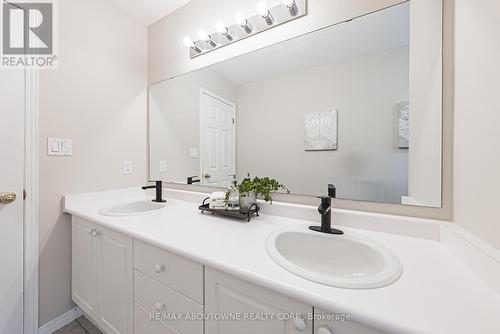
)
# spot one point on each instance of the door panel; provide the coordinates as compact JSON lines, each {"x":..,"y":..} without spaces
{"x":326,"y":322}
{"x":12,"y":112}
{"x":227,"y":295}
{"x":83,"y":264}
{"x":217,"y":136}
{"x":114,"y":281}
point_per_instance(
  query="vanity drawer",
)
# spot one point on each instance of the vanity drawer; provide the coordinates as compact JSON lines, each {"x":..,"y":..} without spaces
{"x":143,"y":324}
{"x":172,"y":270}
{"x":157,"y":298}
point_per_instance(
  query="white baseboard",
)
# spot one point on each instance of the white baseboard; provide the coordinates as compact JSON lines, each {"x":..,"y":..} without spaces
{"x":60,"y":321}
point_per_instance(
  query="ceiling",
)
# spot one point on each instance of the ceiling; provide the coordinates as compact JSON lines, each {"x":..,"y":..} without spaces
{"x":379,"y":31}
{"x":149,"y":11}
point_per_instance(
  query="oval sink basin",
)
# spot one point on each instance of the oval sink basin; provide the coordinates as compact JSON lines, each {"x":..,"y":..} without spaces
{"x":133,"y":209}
{"x":344,"y":261}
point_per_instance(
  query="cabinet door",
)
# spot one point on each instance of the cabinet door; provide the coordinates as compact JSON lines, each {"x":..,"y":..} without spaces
{"x":114,"y":282}
{"x":229,"y":296}
{"x":335,"y":323}
{"x":83,"y":266}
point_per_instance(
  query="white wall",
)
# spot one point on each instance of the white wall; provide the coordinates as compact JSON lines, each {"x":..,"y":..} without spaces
{"x":367,"y":164}
{"x":175,"y":122}
{"x":97,"y":97}
{"x":477,"y":118}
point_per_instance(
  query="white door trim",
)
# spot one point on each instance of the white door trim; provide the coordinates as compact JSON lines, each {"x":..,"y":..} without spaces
{"x":31,"y":185}
{"x":232,"y":104}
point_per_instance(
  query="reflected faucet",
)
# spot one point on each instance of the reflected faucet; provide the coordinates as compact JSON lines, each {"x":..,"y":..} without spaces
{"x":325,"y":210}
{"x":159,"y":188}
{"x":193,"y":179}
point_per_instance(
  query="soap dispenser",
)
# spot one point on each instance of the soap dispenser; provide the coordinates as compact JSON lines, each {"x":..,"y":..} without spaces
{"x":233,"y":201}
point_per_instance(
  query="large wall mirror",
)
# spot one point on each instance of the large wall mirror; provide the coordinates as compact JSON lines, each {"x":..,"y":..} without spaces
{"x":357,"y":105}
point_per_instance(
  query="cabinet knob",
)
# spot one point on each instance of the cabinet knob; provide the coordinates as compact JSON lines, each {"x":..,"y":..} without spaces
{"x":299,"y":324}
{"x":324,"y":330}
{"x":94,"y":232}
{"x":159,"y":268}
{"x":159,"y":306}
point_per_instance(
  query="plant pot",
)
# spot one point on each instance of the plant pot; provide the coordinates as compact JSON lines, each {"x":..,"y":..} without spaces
{"x":248,"y":199}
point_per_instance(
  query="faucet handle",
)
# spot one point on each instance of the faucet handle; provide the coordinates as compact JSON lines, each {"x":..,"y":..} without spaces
{"x":325,"y":200}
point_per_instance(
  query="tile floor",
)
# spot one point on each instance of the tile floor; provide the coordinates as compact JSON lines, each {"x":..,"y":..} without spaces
{"x":79,"y":326}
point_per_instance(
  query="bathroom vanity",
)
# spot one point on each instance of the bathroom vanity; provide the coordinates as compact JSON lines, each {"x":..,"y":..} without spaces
{"x":136,"y":273}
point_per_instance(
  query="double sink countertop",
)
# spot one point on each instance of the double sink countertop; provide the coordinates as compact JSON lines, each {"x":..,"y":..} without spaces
{"x":436,"y":293}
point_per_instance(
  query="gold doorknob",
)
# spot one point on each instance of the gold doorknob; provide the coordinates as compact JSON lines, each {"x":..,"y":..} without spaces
{"x":6,"y":198}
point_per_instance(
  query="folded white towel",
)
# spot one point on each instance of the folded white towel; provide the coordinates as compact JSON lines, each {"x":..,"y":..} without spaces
{"x":218,"y":195}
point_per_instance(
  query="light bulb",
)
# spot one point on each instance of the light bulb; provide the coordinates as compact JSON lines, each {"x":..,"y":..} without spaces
{"x":240,"y":19}
{"x":289,"y":3}
{"x":203,"y":35}
{"x":262,"y":9}
{"x":220,"y":27}
{"x":188,"y":42}
{"x":264,"y":12}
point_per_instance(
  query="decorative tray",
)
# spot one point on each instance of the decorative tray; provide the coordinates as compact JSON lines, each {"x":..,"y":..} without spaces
{"x":243,"y":213}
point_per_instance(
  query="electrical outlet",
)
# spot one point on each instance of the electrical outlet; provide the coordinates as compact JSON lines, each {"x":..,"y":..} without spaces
{"x":193,"y":153}
{"x":163,"y":166}
{"x":127,"y":167}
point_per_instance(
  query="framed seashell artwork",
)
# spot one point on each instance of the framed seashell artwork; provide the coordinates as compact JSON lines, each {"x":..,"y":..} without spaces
{"x":404,"y":125}
{"x":320,"y":131}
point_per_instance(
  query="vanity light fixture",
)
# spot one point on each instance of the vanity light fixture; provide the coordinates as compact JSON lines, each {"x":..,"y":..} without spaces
{"x":204,"y":36}
{"x":240,"y":19}
{"x":188,"y":42}
{"x":264,"y":12}
{"x":267,"y":17}
{"x":292,"y":7}
{"x":221,"y":28}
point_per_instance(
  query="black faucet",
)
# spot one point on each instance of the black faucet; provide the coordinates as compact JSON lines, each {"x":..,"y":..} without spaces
{"x":191,"y":180}
{"x":325,"y":210}
{"x":332,"y":191}
{"x":159,"y":189}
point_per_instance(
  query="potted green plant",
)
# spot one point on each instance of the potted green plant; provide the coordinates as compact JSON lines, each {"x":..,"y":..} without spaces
{"x":249,"y":189}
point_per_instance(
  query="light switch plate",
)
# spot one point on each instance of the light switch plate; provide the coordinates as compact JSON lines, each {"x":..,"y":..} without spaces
{"x":163,"y":166}
{"x":127,"y":167}
{"x":59,"y":147}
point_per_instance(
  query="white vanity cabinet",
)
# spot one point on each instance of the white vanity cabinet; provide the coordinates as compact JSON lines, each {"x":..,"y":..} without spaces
{"x":128,"y":286}
{"x":102,"y":275}
{"x":166,"y":285}
{"x":325,"y":323}
{"x":226,"y":295}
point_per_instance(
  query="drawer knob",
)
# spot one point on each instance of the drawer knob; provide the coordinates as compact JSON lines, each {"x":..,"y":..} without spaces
{"x":324,"y":330}
{"x":159,"y":268}
{"x":94,"y":232}
{"x":299,"y":324}
{"x":159,"y":306}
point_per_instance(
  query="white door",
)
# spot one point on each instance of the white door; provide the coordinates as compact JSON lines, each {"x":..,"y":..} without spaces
{"x":12,"y":111}
{"x":217,"y":140}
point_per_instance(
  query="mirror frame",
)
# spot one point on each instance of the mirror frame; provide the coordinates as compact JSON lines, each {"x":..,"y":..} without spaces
{"x":442,"y":213}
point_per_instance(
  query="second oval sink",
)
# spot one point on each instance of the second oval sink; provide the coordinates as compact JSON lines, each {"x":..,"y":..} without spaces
{"x":133,"y":209}
{"x":345,"y":261}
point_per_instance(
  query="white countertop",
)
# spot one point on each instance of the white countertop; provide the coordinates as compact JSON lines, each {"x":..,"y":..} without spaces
{"x":436,"y":293}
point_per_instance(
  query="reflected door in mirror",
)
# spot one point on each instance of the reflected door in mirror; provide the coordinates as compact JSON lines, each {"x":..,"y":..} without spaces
{"x":217,"y":139}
